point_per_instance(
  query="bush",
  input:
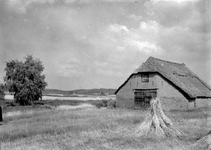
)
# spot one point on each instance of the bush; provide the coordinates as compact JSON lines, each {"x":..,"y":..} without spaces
{"x":111,"y":104}
{"x":1,"y":97}
{"x":101,"y":103}
{"x":2,"y":89}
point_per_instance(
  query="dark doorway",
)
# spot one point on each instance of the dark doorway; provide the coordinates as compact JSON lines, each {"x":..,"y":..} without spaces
{"x":142,"y":97}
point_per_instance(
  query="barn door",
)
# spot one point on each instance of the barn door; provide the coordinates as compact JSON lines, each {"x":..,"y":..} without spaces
{"x":142,"y":97}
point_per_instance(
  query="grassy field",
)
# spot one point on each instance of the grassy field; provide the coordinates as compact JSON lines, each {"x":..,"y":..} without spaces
{"x":93,"y":128}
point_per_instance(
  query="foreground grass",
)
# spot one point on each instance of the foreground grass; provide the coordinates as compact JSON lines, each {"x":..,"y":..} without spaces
{"x":92,"y":128}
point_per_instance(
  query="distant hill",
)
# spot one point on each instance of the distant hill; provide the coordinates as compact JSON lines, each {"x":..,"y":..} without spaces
{"x":101,"y":91}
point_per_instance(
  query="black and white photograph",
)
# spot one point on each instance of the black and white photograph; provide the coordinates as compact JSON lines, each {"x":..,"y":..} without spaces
{"x":105,"y":75}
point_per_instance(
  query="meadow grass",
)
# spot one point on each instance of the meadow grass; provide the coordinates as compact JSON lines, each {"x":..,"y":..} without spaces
{"x":92,"y":128}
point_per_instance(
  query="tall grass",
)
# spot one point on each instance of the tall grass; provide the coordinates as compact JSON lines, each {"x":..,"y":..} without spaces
{"x":91,"y":128}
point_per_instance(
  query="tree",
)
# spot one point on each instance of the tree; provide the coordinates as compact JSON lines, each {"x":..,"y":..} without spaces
{"x":2,"y":89}
{"x":25,"y":80}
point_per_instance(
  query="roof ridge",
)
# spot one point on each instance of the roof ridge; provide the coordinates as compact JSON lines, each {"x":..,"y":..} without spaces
{"x":166,"y":61}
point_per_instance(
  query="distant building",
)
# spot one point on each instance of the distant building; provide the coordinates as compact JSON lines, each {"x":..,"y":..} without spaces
{"x":175,"y":84}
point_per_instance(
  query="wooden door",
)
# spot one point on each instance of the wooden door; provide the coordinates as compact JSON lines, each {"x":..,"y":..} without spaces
{"x":142,"y":97}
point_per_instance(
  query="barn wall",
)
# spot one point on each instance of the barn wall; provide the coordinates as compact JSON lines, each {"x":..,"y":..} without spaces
{"x":125,"y":96}
{"x":203,"y":102}
{"x":124,"y":102}
{"x":171,"y":98}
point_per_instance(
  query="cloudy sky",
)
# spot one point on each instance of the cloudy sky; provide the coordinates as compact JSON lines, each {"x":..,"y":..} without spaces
{"x":99,"y":43}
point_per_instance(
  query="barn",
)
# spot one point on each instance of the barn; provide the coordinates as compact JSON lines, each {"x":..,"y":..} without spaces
{"x":174,"y":83}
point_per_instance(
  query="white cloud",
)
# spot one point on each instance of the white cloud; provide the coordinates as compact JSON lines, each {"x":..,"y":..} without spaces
{"x":91,"y":1}
{"x":120,"y":48}
{"x":2,"y":57}
{"x":17,"y":6}
{"x":150,"y":26}
{"x":180,"y":2}
{"x":101,"y":64}
{"x":118,"y":28}
{"x":69,"y":1}
{"x":69,"y":71}
{"x":135,"y":39}
{"x":20,"y":6}
{"x":145,"y":47}
{"x":1,"y":38}
{"x":109,"y":73}
{"x":170,"y":12}
{"x":67,"y":65}
{"x":135,"y":17}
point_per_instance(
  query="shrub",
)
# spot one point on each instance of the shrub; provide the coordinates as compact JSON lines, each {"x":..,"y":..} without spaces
{"x":101,"y":103}
{"x":111,"y":104}
{"x":2,"y":89}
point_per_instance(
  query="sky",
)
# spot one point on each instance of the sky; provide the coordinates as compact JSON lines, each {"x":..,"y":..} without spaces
{"x":99,"y":43}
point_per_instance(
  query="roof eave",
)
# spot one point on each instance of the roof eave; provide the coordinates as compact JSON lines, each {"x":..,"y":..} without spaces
{"x":124,"y":83}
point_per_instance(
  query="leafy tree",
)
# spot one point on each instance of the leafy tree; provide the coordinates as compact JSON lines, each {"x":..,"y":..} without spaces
{"x":2,"y":89}
{"x":25,"y":80}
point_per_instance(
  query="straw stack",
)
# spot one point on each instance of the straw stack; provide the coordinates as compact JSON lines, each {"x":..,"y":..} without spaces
{"x":204,"y":143}
{"x":157,"y":123}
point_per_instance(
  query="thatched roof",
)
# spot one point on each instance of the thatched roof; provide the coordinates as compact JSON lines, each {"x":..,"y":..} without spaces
{"x":178,"y":74}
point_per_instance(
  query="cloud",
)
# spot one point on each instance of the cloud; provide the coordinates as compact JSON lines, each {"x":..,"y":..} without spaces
{"x":145,"y":47}
{"x":133,"y":39}
{"x":17,"y":6}
{"x":109,"y":68}
{"x":67,"y":67}
{"x":110,"y":1}
{"x":100,"y":64}
{"x":150,"y":26}
{"x":118,"y":28}
{"x":69,"y":1}
{"x":200,"y":19}
{"x":170,"y":13}
{"x":99,"y":43}
{"x":151,"y":38}
{"x":20,"y":6}
{"x":69,"y":71}
{"x":135,"y":17}
{"x":120,"y":48}
{"x":2,"y":57}
{"x":180,"y":2}
{"x":109,"y":73}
